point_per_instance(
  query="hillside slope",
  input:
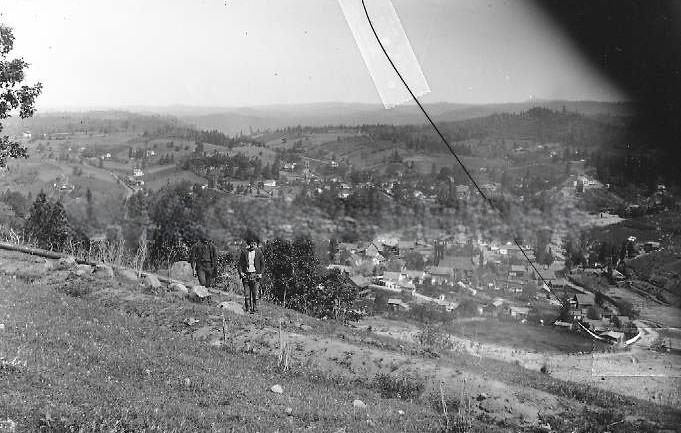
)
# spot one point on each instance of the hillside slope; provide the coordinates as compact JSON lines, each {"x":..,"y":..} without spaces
{"x":87,"y":353}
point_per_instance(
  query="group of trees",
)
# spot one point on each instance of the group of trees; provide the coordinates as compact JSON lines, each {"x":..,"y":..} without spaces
{"x":47,"y":225}
{"x":294,"y":278}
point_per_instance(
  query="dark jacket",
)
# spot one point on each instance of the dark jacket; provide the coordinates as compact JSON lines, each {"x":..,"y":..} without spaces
{"x":204,"y":254}
{"x":258,"y":261}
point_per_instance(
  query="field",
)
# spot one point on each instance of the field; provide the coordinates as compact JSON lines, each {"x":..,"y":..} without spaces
{"x":88,"y":354}
{"x":527,"y":337}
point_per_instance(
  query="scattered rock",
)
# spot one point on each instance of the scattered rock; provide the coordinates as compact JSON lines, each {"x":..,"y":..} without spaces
{"x":482,"y":396}
{"x":305,"y":327}
{"x":128,"y":275}
{"x":191,"y":321}
{"x":199,"y":293}
{"x":359,"y":404}
{"x":66,"y":263}
{"x":202,"y":333}
{"x":182,"y":271}
{"x":179,"y":287}
{"x":151,"y":283}
{"x":289,"y":411}
{"x":104,"y":271}
{"x":233,"y":307}
{"x":277,"y":389}
{"x":81,"y":270}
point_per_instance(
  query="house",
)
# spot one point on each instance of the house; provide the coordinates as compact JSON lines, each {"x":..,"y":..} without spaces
{"x":651,"y":246}
{"x":462,"y":266}
{"x":137,"y":172}
{"x":613,"y":336}
{"x":519,"y":313}
{"x":440,"y":275}
{"x":584,"y":301}
{"x":340,"y":268}
{"x":621,"y":319}
{"x":517,"y":271}
{"x":270,"y":183}
{"x":393,"y":276}
{"x":560,"y":324}
{"x":396,"y":304}
{"x":463,"y":192}
{"x":360,"y":281}
{"x":414,"y":276}
{"x":405,"y":246}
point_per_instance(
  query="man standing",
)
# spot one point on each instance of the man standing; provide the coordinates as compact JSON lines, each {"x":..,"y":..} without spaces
{"x":204,"y":261}
{"x":251,"y":264}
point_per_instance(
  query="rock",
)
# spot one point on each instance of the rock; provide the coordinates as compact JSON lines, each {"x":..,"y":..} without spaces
{"x":401,"y":412}
{"x":232,"y":306}
{"x":305,"y":327}
{"x":277,"y":389}
{"x":359,"y":404}
{"x":182,"y":271}
{"x":151,"y":283}
{"x":179,"y":288}
{"x":482,"y":396}
{"x":289,"y":411}
{"x":199,"y":293}
{"x":81,"y":270}
{"x":104,"y":271}
{"x":2,"y":326}
{"x":128,"y":275}
{"x":66,"y":263}
{"x":191,"y":321}
{"x":202,"y":333}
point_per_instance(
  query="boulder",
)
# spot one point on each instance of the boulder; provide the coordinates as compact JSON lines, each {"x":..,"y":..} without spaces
{"x":179,"y":288}
{"x":277,"y":389}
{"x":66,"y":263}
{"x":182,"y":271}
{"x":151,"y":283}
{"x":233,"y":307}
{"x":104,"y":271}
{"x":127,"y":275}
{"x":199,"y":293}
{"x":81,"y":270}
{"x":359,"y":404}
{"x":202,"y":333}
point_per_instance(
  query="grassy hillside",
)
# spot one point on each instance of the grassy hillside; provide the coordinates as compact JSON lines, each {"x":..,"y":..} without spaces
{"x":83,"y":354}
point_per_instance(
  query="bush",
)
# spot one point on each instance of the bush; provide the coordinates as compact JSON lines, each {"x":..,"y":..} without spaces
{"x":404,"y":387}
{"x":76,"y":286}
{"x":432,"y":338}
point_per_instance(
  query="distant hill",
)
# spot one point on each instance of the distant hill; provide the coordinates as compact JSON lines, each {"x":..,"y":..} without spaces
{"x":236,"y":120}
{"x":89,"y":121}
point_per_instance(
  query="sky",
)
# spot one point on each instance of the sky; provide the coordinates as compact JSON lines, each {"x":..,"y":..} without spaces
{"x":117,"y":53}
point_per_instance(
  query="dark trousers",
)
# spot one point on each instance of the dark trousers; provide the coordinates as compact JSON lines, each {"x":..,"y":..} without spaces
{"x":205,"y":275}
{"x":251,"y":287}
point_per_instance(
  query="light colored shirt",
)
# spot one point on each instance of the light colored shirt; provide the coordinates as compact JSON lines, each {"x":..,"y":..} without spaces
{"x":251,"y":261}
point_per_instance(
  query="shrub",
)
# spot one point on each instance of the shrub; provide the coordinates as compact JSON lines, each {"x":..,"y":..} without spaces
{"x":403,"y":387}
{"x":77,"y":287}
{"x":432,"y":338}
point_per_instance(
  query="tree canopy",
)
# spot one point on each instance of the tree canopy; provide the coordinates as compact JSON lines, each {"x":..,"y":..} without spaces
{"x":13,"y":94}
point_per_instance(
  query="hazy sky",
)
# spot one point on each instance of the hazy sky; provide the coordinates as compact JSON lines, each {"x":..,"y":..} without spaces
{"x":108,"y":53}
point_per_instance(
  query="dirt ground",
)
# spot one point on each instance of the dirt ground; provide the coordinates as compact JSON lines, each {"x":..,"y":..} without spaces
{"x":639,"y":372}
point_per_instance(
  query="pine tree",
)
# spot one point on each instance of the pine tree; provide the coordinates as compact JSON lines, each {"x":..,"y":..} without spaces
{"x":90,"y":200}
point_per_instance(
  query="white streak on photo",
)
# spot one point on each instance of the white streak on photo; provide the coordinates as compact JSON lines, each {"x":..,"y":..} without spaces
{"x":394,"y":39}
